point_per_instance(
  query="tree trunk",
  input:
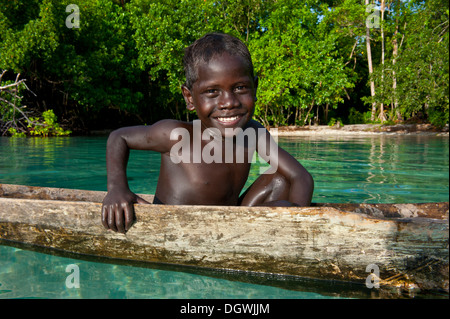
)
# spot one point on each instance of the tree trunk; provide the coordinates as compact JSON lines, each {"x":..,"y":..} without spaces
{"x":369,"y":61}
{"x":382,"y":116}
{"x":394,"y":76}
{"x":307,"y":114}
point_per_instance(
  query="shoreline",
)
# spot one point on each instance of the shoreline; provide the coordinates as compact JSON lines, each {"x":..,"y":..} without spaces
{"x":346,"y":130}
{"x":360,"y":130}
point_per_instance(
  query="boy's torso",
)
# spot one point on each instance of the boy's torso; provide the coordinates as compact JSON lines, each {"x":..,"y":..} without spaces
{"x":204,"y":171}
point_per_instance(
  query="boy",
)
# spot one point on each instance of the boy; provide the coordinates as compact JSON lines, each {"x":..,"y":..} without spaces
{"x":216,"y":150}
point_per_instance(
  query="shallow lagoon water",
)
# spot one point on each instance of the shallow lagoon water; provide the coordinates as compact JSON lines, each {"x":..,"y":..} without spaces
{"x":372,"y":169}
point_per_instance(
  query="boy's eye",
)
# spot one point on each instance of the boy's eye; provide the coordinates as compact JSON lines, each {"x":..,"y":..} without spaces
{"x":211,"y":91}
{"x":240,"y":88}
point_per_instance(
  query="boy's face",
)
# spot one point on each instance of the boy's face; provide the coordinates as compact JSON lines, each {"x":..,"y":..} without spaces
{"x":224,"y":94}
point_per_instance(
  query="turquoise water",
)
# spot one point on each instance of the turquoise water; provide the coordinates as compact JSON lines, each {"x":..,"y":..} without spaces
{"x":28,"y":274}
{"x":375,"y":169}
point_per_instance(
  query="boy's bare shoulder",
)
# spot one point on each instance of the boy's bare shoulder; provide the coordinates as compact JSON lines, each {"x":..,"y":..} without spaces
{"x":156,"y":137}
{"x":167,"y":126}
{"x":171,"y":124}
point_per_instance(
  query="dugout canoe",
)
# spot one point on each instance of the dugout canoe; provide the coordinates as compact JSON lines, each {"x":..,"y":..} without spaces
{"x":407,"y":243}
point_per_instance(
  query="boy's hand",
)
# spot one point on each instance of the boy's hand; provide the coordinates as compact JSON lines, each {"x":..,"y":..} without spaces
{"x":118,"y":209}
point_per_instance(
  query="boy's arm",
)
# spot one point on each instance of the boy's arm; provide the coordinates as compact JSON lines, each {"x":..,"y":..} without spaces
{"x":300,"y":180}
{"x":117,"y":208}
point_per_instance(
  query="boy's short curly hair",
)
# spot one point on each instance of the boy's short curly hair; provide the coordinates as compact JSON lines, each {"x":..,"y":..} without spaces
{"x":208,"y":46}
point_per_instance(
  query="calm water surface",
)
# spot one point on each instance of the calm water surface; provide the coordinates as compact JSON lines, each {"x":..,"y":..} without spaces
{"x":379,"y":169}
{"x":376,"y":169}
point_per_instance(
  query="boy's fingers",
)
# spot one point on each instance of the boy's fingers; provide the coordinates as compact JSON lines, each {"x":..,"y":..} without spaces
{"x":105,"y":216}
{"x":111,"y":220}
{"x":129,"y":216}
{"x":120,"y":220}
{"x":119,"y":217}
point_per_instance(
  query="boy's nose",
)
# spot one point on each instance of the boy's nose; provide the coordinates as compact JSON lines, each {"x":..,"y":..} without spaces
{"x":228,"y":100}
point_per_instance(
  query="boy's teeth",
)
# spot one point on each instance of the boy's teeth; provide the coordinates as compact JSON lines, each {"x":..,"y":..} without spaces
{"x":227,"y":119}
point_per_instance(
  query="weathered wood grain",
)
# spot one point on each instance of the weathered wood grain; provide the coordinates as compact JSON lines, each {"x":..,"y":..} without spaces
{"x":337,"y":243}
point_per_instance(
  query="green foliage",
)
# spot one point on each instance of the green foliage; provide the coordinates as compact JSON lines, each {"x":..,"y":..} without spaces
{"x":296,"y":75}
{"x":161,"y":30}
{"x":355,"y":117}
{"x":335,"y":122}
{"x":13,"y":132}
{"x":46,"y":125}
{"x":94,"y":65}
{"x":310,"y":56}
{"x":421,"y":67}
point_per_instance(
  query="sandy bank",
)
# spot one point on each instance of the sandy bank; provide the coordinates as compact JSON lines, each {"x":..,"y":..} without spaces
{"x":361,"y":129}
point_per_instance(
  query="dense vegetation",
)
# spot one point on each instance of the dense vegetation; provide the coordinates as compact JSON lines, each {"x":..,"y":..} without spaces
{"x":119,"y":62}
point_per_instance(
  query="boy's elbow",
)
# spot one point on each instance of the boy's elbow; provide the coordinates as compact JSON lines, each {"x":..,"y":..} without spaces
{"x":304,"y":189}
{"x":117,"y":133}
{"x":309,"y":180}
{"x":114,"y":135}
{"x":116,"y":142}
{"x":304,"y":177}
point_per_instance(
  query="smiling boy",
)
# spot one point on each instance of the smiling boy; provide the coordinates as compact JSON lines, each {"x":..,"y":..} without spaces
{"x":221,"y":87}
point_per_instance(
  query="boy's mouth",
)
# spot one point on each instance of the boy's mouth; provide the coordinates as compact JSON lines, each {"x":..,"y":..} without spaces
{"x":229,"y":120}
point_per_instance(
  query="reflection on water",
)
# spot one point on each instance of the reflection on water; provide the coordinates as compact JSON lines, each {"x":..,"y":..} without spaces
{"x":68,"y":162}
{"x":374,"y":169}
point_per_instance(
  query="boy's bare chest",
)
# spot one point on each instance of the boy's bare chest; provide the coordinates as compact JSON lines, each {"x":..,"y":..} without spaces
{"x":204,"y":182}
{"x":207,"y":173}
{"x":212,"y":152}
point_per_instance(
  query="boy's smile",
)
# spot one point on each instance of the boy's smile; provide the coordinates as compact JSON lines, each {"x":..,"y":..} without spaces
{"x":224,"y":94}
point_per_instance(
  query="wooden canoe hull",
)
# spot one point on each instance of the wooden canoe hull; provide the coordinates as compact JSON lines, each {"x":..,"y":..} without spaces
{"x":332,"y":242}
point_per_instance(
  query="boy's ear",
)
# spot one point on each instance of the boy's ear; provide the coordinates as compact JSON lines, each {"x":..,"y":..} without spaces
{"x":188,"y":98}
